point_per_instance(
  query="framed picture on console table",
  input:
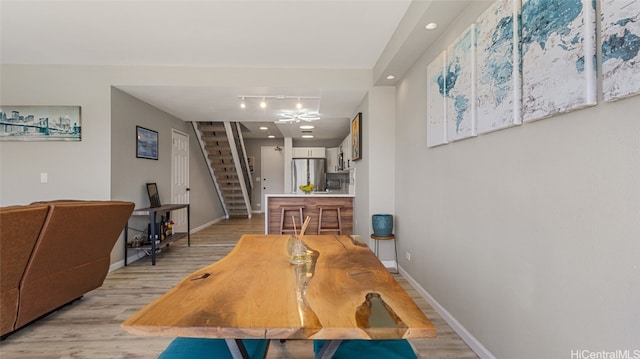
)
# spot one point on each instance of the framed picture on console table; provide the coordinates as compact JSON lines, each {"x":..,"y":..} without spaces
{"x":146,"y":143}
{"x":356,"y":137}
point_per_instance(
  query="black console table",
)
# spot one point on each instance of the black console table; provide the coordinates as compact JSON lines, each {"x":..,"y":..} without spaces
{"x":152,"y":213}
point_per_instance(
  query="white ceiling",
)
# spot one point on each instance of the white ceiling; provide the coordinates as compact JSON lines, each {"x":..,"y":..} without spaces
{"x":305,"y":34}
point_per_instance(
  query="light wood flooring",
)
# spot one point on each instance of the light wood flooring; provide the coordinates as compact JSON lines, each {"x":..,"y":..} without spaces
{"x":90,"y":327}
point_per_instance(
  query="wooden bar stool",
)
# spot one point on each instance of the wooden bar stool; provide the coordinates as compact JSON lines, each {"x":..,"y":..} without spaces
{"x":321,"y":228}
{"x":283,"y":213}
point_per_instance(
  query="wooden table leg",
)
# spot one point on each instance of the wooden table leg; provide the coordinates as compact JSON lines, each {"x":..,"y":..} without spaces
{"x":237,"y":349}
{"x":328,"y":349}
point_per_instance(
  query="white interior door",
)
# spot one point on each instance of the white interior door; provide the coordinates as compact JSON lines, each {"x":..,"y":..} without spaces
{"x":179,"y":177}
{"x":272,"y":171}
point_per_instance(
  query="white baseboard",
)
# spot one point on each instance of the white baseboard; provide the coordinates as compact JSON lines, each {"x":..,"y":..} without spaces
{"x":140,"y":254}
{"x":389,"y":264}
{"x":471,"y":341}
{"x":199,"y":228}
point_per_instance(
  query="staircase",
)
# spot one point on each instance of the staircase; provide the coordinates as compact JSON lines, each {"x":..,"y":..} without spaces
{"x":223,"y":147}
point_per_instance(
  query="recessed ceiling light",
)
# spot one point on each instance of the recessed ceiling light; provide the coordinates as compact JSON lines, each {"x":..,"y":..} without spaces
{"x":390,"y":77}
{"x":264,"y":128}
{"x":307,"y":127}
{"x":271,"y":136}
{"x":431,"y":26}
{"x":307,"y":136}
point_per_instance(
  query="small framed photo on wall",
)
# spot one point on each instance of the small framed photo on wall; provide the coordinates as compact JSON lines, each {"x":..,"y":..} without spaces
{"x":356,"y":137}
{"x":146,"y":143}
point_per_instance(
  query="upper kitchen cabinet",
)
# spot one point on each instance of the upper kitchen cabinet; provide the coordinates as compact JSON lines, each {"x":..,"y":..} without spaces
{"x":308,"y":152}
{"x":345,"y":149}
{"x":332,"y":159}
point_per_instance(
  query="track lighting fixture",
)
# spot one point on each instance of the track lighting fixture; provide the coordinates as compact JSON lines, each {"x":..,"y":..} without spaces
{"x":246,"y":100}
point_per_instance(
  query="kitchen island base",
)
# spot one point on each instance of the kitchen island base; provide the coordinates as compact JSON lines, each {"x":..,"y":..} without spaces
{"x":310,"y":204}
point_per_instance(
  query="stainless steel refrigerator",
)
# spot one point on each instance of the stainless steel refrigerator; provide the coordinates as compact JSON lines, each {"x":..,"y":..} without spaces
{"x":308,"y":170}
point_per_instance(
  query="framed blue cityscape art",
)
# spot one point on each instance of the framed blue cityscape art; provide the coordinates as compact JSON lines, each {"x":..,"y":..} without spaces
{"x":146,"y":143}
{"x":620,"y":34}
{"x":499,"y":87}
{"x":40,"y":123}
{"x":558,"y":57}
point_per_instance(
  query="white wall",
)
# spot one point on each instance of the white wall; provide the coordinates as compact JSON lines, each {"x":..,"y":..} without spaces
{"x":528,"y":236}
{"x":374,"y":173}
{"x":78,"y":170}
{"x":254,"y":149}
{"x":381,"y":151}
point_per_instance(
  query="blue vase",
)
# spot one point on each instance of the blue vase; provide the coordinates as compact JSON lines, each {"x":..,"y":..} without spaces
{"x":382,"y":224}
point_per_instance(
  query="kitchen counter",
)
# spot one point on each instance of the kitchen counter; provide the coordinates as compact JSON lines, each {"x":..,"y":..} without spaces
{"x":310,"y":203}
{"x":315,"y":194}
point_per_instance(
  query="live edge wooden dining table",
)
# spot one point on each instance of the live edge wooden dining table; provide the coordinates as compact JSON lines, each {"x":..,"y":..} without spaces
{"x":341,"y":292}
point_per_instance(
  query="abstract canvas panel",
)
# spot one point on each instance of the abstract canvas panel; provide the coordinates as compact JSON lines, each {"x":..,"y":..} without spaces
{"x":499,"y":87}
{"x":620,"y":34}
{"x":436,"y":112}
{"x":558,"y":57}
{"x":459,"y":87}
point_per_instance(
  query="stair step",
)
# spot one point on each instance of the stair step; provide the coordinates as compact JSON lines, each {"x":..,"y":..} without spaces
{"x":218,"y":151}
{"x":214,"y":138}
{"x":212,"y":128}
{"x":220,"y":157}
{"x":235,"y":188}
{"x":217,"y":147}
{"x":222,"y":173}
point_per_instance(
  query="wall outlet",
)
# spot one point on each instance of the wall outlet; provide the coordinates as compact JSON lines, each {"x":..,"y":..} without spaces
{"x":44,"y":177}
{"x":407,"y":255}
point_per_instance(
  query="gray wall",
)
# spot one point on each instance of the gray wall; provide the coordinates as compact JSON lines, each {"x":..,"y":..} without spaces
{"x":129,"y":173}
{"x":528,"y":236}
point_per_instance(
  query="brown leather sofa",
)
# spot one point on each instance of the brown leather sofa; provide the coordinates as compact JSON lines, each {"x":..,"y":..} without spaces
{"x":52,"y":253}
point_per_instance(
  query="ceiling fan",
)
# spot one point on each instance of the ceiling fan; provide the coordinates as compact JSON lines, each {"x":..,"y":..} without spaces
{"x":298,"y":116}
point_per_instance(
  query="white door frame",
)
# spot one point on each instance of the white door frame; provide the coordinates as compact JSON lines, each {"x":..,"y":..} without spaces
{"x":179,"y":177}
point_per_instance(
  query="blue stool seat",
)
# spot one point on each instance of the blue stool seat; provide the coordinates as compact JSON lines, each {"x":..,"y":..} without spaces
{"x":355,"y":348}
{"x":197,"y":348}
